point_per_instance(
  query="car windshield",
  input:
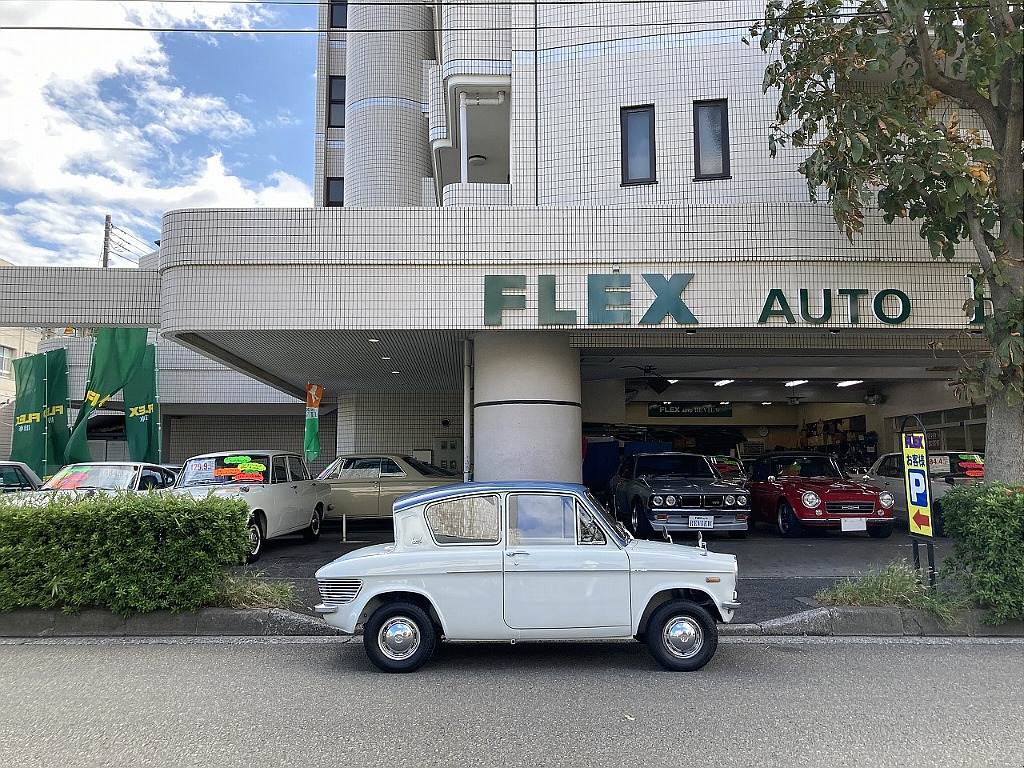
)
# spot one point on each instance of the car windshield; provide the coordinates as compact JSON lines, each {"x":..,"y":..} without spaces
{"x":950,"y":463}
{"x":224,"y":470}
{"x":660,"y":465}
{"x":807,"y":466}
{"x":610,"y":521}
{"x":106,"y":477}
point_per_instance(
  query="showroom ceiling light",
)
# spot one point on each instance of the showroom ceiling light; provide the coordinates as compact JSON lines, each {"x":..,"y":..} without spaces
{"x":766,"y":402}
{"x":723,"y":382}
{"x":672,"y":381}
{"x":374,"y":341}
{"x":849,"y":383}
{"x":796,"y":382}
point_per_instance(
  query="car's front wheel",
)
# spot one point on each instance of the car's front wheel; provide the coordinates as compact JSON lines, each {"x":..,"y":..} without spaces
{"x":399,"y":637}
{"x":681,"y":636}
{"x":880,"y":531}
{"x":789,"y":525}
{"x":638,"y":521}
{"x":312,"y":531}
{"x":256,"y":540}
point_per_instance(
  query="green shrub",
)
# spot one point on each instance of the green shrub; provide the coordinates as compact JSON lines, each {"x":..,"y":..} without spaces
{"x":897,"y":585}
{"x":126,"y":552}
{"x":986,"y":525}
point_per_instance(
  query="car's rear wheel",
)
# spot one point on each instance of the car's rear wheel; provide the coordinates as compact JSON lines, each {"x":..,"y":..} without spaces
{"x":880,"y":531}
{"x":638,"y":521}
{"x":399,"y":637}
{"x":256,"y":540}
{"x":789,"y":525}
{"x":312,"y":531}
{"x":681,"y":636}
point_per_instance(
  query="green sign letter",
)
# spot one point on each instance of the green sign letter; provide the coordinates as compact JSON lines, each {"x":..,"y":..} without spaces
{"x":605,"y":291}
{"x":667,"y":300}
{"x":496,"y":300}
{"x":546,"y":312}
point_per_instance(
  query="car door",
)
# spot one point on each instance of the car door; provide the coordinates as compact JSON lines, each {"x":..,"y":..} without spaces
{"x":305,"y":491}
{"x":355,"y":487}
{"x":395,"y":482}
{"x":560,"y":570}
{"x":282,"y":502}
{"x":889,"y":477}
{"x":762,"y":493}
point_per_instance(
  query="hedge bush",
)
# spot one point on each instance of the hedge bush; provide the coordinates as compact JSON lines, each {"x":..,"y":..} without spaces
{"x":127,"y":552}
{"x":986,"y":526}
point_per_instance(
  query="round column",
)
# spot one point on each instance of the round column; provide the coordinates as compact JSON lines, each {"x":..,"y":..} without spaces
{"x":527,"y":422}
{"x":386,"y":151}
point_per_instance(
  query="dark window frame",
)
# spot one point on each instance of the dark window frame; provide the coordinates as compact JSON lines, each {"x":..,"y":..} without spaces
{"x":329,"y":201}
{"x":338,"y":14}
{"x":726,"y":172}
{"x":333,"y":101}
{"x":624,"y":134}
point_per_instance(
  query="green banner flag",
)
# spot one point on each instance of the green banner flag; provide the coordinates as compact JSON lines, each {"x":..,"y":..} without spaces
{"x":142,"y":411}
{"x":58,"y":408}
{"x":116,"y":356}
{"x":28,"y":444}
{"x":311,"y":442}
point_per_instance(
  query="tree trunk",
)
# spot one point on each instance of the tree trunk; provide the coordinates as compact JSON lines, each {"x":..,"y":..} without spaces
{"x":1004,"y":441}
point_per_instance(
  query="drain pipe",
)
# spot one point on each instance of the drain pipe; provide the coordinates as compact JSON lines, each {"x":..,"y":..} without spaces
{"x":467,"y":410}
{"x":464,"y":103}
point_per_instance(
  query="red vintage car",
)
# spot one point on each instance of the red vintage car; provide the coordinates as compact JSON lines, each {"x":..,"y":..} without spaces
{"x":795,"y":490}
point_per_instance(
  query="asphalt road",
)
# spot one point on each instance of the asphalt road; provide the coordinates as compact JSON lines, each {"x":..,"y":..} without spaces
{"x":760,"y":702}
{"x":778,"y":576}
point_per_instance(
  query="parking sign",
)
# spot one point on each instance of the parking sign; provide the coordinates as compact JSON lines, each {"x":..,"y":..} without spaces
{"x":915,"y":464}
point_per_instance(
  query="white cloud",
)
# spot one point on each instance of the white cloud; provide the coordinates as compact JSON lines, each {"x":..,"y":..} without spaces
{"x":95,"y":123}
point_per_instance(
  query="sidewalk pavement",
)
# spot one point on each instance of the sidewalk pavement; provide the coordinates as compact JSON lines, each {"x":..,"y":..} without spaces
{"x":220,"y":622}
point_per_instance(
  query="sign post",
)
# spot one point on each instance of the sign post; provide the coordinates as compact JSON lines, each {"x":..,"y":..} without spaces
{"x":914,"y":445}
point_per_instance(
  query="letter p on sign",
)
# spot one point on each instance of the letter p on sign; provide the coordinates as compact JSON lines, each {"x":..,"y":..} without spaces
{"x":918,"y":487}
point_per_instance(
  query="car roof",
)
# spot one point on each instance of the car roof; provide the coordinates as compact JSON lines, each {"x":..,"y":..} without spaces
{"x":213,"y":454}
{"x":496,"y":486}
{"x":24,"y":468}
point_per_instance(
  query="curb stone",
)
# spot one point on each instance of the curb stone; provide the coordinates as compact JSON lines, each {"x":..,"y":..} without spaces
{"x":275,"y":622}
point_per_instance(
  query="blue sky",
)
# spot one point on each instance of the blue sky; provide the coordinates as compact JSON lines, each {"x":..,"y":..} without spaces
{"x":133,"y":123}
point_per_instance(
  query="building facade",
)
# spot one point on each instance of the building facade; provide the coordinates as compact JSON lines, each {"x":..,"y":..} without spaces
{"x":539,"y":225}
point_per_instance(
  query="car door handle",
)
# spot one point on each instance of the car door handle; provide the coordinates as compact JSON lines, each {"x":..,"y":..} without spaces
{"x":515,"y":553}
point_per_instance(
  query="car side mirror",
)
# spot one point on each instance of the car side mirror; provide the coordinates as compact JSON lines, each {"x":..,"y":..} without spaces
{"x":771,"y":478}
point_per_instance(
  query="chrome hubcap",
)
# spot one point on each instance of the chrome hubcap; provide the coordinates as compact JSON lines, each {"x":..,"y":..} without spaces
{"x":254,"y":539}
{"x":399,"y":638}
{"x":314,"y":524}
{"x":683,"y":637}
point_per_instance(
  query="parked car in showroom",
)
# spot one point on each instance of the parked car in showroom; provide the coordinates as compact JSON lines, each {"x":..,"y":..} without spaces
{"x":367,"y":484}
{"x":945,"y":470}
{"x":16,"y":476}
{"x":276,"y":485}
{"x":663,"y":493}
{"x":794,"y":490}
{"x":110,"y":476}
{"x":511,"y":561}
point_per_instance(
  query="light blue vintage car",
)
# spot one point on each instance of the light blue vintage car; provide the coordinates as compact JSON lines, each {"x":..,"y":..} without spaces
{"x":511,"y":561}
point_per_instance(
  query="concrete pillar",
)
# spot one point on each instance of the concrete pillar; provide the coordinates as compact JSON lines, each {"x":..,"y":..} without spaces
{"x":527,"y":422}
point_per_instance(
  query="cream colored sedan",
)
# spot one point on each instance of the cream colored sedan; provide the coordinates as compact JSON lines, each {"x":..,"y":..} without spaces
{"x":367,"y":484}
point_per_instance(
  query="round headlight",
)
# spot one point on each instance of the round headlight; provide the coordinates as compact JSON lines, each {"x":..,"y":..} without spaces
{"x":730,"y":500}
{"x":670,"y":501}
{"x":657,"y":501}
{"x":810,"y":500}
{"x":885,"y":499}
{"x":741,"y":500}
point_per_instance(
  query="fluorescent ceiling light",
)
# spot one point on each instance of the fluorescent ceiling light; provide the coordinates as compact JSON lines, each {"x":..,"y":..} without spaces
{"x":723,"y":382}
{"x":672,"y":381}
{"x":766,"y":402}
{"x":850,"y":383}
{"x":796,"y":382}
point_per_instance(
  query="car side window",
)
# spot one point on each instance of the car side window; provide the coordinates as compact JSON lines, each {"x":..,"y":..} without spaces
{"x":12,"y":479}
{"x":590,"y":532}
{"x":366,"y":468}
{"x":149,"y":480}
{"x":388,"y":468}
{"x":891,"y":466}
{"x":472,"y":520}
{"x":297,"y":468}
{"x":541,"y":519}
{"x":279,"y":473}
{"x":759,"y":472}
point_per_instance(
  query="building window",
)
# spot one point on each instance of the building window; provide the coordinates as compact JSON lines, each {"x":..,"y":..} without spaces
{"x":336,"y":103}
{"x":711,"y":139}
{"x":638,"y":145}
{"x":6,"y":355}
{"x":335,"y":192}
{"x":339,"y":14}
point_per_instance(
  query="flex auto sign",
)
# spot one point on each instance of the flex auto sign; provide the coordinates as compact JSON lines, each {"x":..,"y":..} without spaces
{"x":616,"y":299}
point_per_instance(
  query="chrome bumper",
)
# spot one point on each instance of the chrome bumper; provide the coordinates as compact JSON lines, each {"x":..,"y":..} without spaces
{"x":321,"y":608}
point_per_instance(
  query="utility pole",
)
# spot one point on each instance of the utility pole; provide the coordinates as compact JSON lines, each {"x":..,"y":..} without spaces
{"x":106,"y":240}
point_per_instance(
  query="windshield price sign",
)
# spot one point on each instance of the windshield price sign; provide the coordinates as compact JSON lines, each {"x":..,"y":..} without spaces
{"x":915,"y":468}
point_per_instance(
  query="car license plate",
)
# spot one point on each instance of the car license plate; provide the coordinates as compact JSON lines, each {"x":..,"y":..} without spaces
{"x":702,"y":522}
{"x":854,"y":524}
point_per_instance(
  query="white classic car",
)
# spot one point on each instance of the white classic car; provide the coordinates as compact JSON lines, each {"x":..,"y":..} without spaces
{"x":281,"y":495}
{"x":510,"y":561}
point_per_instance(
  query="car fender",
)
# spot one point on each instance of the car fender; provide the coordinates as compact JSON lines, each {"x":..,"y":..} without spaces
{"x":357,"y":613}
